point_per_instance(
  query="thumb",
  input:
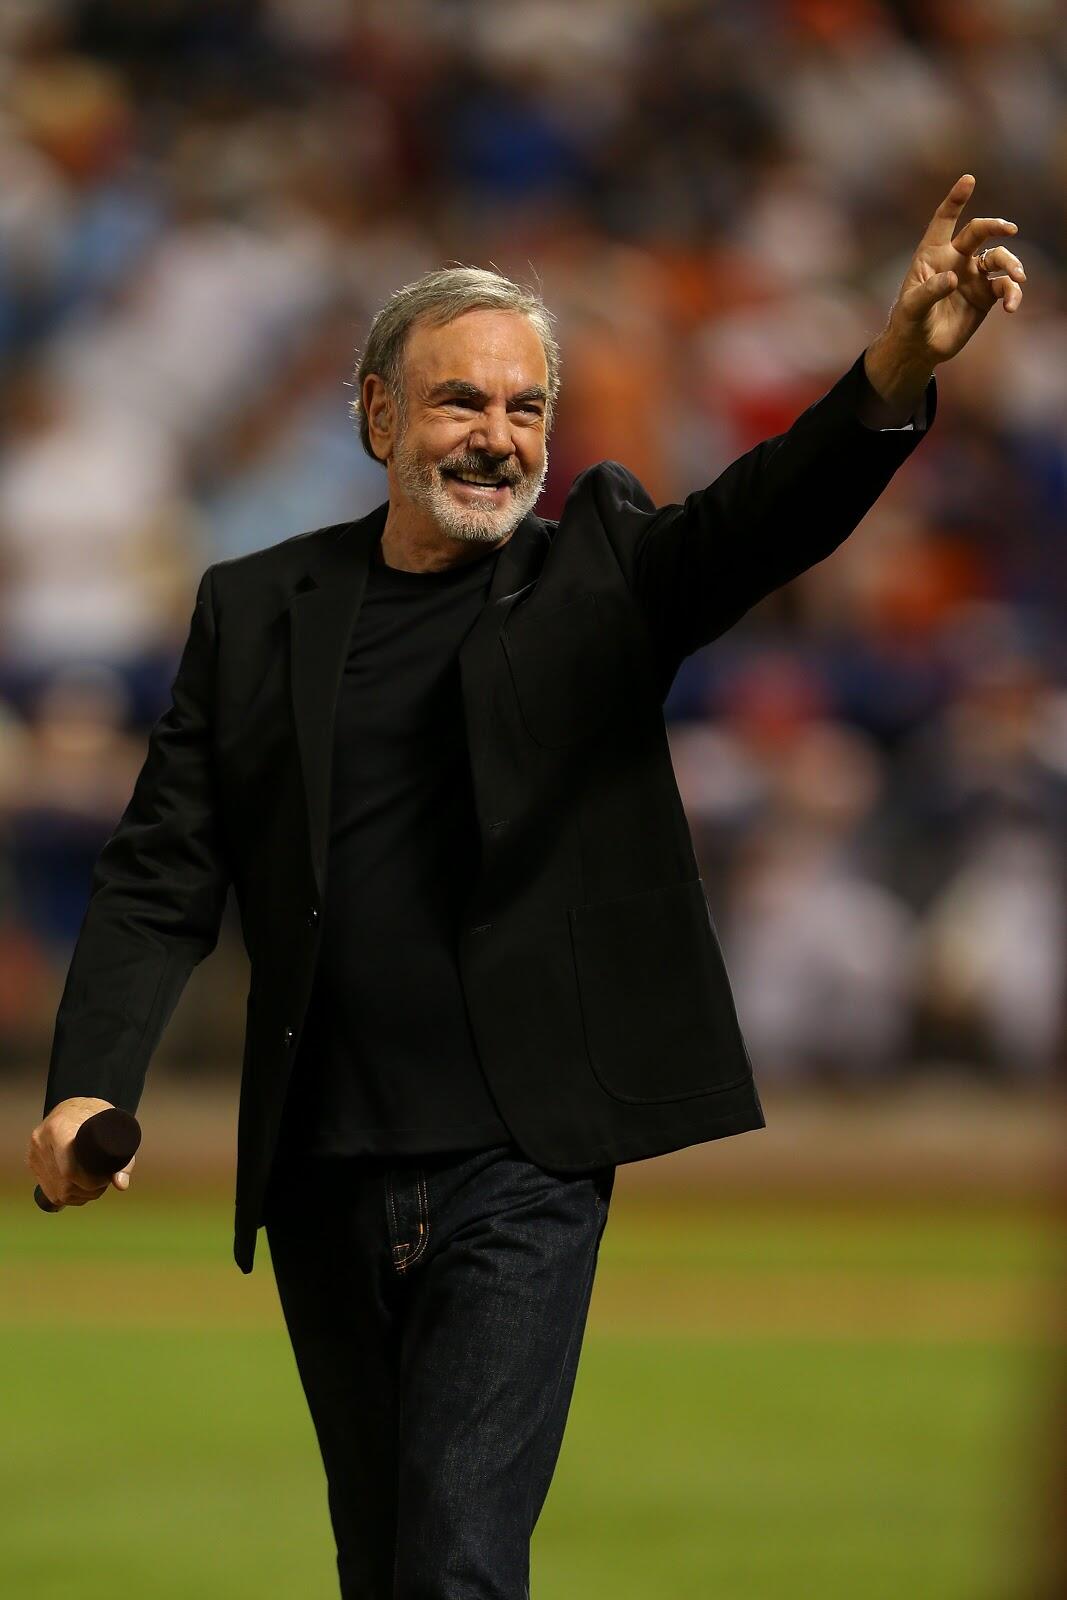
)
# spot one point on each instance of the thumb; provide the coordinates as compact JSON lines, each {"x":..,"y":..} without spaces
{"x":937,"y":287}
{"x":915,"y":302}
{"x":121,"y":1180}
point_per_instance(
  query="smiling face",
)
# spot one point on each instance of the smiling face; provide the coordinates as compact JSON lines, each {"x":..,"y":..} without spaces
{"x":476,"y":395}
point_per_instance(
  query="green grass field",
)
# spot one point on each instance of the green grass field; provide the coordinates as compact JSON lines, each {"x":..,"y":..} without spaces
{"x":774,"y":1401}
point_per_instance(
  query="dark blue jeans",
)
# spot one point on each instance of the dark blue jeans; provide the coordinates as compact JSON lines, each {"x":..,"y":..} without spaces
{"x":436,"y":1307}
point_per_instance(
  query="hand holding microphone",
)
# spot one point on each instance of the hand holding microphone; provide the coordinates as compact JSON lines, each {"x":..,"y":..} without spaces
{"x":82,"y":1139}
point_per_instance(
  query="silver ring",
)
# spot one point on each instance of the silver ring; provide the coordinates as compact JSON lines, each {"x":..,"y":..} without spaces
{"x":980,"y":257}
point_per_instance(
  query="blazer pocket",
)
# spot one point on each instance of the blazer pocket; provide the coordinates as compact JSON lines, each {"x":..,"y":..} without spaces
{"x":569,"y":671}
{"x":659,"y":1016}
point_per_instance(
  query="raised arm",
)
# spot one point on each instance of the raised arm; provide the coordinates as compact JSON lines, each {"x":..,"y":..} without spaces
{"x":696,"y":568}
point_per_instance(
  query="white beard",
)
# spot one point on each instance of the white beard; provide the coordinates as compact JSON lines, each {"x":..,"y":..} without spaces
{"x":425,"y":485}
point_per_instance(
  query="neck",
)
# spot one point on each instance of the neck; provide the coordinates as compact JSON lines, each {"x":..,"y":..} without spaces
{"x":418,"y":545}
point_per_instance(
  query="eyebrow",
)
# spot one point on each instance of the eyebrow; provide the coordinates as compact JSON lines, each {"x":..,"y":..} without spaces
{"x":470,"y":391}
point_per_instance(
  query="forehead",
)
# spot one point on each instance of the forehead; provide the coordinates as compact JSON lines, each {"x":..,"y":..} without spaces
{"x":497,"y":350}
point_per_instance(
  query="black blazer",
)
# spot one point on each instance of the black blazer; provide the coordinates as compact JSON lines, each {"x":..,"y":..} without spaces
{"x":598,"y":997}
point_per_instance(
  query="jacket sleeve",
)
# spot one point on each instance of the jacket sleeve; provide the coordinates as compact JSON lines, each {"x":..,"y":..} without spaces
{"x":696,"y":568}
{"x":157,"y":894}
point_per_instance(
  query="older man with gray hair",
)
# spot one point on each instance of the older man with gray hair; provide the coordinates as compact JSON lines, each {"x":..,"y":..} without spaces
{"x":427,"y":748}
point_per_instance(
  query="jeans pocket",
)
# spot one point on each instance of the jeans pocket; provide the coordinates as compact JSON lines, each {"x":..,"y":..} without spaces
{"x":408,"y":1208}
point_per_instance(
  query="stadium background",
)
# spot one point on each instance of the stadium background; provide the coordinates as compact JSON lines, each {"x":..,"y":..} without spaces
{"x":820,"y":1357}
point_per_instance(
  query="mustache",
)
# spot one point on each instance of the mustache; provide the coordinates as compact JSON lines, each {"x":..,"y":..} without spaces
{"x":482,"y":468}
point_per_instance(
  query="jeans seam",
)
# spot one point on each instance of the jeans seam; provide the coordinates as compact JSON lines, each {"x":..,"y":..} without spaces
{"x":403,"y":1254}
{"x":424,"y":1221}
{"x":398,"y":1259}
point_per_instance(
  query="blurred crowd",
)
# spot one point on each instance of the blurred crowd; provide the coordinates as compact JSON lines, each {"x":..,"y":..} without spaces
{"x":203,"y":204}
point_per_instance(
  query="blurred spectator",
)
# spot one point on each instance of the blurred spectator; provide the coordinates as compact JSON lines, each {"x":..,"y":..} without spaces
{"x":819,"y":951}
{"x":65,"y":777}
{"x":95,"y":536}
{"x":992,"y":955}
{"x":288,"y":461}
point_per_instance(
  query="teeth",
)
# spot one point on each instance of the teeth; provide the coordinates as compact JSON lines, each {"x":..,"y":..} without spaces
{"x":481,"y":483}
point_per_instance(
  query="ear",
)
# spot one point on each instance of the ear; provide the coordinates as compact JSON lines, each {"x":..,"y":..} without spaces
{"x":380,"y":411}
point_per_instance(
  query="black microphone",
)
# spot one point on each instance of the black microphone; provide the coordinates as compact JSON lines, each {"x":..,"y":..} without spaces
{"x":102,"y":1145}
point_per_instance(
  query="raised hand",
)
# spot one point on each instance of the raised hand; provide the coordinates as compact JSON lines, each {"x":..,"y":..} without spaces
{"x":951,"y":285}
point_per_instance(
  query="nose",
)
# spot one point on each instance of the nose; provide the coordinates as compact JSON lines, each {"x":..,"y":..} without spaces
{"x":492,"y":434}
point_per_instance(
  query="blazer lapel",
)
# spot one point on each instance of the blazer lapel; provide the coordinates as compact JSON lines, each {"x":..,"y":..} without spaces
{"x":517,"y":569}
{"x":322,"y":613}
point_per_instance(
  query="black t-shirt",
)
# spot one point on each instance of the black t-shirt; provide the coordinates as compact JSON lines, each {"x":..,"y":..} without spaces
{"x":387,"y":1062}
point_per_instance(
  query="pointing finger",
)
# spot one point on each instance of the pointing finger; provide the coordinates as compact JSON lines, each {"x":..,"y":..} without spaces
{"x":944,"y":218}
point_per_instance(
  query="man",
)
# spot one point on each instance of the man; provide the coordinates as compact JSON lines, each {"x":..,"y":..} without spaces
{"x":427,"y":748}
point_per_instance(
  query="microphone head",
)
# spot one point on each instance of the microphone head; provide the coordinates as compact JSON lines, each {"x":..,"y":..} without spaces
{"x":106,"y":1141}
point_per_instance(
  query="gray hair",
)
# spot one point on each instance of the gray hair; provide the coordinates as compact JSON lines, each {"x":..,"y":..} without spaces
{"x":435,"y":299}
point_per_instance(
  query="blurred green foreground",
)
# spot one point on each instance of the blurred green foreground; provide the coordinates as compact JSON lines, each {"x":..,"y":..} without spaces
{"x":774,"y":1401}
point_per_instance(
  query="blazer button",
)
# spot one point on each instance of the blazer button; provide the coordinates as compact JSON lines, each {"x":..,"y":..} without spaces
{"x":313,"y":915}
{"x":289,"y":1037}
